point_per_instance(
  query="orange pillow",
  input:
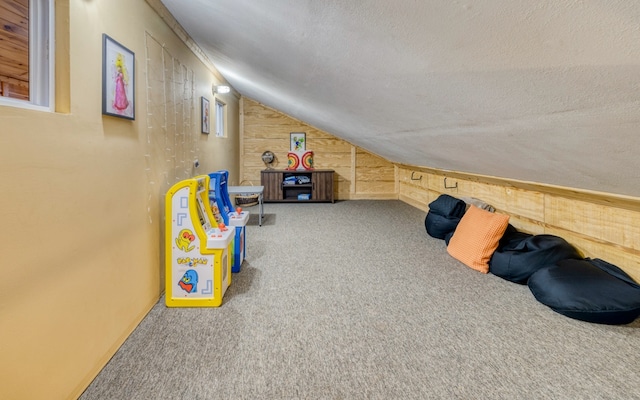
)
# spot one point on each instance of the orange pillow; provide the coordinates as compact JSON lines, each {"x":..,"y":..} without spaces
{"x":476,"y":237}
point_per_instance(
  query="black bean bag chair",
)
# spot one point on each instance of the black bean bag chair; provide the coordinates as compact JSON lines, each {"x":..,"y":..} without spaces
{"x":439,"y":226}
{"x":512,"y":237}
{"x":448,"y":206}
{"x":448,"y":236}
{"x":443,"y":216}
{"x":522,"y":254}
{"x":590,"y":290}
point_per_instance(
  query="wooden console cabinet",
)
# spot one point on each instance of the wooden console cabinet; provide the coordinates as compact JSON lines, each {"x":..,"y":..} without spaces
{"x":316,"y":185}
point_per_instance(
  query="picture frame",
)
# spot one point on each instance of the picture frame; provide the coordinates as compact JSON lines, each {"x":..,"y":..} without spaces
{"x":297,"y":141}
{"x":118,"y":79}
{"x":205,"y":113}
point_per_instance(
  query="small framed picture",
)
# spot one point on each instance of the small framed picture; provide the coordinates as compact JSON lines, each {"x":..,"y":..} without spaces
{"x":118,"y":79}
{"x":206,"y":115}
{"x":298,"y":141}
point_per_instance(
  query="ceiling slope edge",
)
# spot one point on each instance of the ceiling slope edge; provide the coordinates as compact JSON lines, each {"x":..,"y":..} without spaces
{"x":174,"y":25}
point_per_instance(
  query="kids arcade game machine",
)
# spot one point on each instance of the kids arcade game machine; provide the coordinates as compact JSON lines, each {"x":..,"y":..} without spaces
{"x":198,"y":249}
{"x":224,"y":212}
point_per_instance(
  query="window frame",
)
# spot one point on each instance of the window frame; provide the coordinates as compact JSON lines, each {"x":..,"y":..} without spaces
{"x":41,"y":59}
{"x":221,"y":116}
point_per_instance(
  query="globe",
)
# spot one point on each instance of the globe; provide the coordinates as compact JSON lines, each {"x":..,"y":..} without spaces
{"x":267,"y":158}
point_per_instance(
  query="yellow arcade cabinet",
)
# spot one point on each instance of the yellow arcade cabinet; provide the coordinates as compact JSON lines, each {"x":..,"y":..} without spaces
{"x":198,"y":250}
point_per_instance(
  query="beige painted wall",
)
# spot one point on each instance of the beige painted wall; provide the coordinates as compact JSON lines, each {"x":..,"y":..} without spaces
{"x":82,"y":202}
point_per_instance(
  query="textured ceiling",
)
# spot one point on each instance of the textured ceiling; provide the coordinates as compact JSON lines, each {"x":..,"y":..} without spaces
{"x":545,"y":91}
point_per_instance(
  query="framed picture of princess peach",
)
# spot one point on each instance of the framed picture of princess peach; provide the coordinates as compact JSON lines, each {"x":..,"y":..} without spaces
{"x":206,"y":115}
{"x":118,"y":79}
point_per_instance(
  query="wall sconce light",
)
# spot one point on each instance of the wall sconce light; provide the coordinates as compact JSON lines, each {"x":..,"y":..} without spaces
{"x":220,"y":89}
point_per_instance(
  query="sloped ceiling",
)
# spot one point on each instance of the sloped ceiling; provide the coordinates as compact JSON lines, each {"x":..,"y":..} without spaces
{"x":545,"y":91}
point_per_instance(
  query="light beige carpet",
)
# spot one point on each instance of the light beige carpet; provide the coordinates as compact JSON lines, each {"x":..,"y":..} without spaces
{"x":354,"y":300}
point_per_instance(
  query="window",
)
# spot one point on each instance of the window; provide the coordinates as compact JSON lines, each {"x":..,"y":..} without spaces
{"x":26,"y":53}
{"x":220,"y":107}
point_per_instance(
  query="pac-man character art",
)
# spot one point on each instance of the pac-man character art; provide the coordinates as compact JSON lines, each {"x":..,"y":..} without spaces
{"x":184,"y":239}
{"x":189,"y":281}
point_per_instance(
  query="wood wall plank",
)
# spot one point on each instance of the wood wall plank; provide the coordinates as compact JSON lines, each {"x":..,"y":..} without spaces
{"x":607,"y":199}
{"x":601,"y":222}
{"x":414,"y":202}
{"x":13,"y":25}
{"x":13,"y":69}
{"x":414,"y":193}
{"x":415,"y":179}
{"x":599,"y":225}
{"x":14,"y":49}
{"x":376,"y":187}
{"x":359,"y":174}
{"x":16,"y":46}
{"x":18,"y":7}
{"x":597,"y":228}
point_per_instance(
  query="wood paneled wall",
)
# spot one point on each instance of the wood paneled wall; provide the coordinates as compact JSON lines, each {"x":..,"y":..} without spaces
{"x":359,"y":174}
{"x":14,"y":49}
{"x":599,"y":225}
